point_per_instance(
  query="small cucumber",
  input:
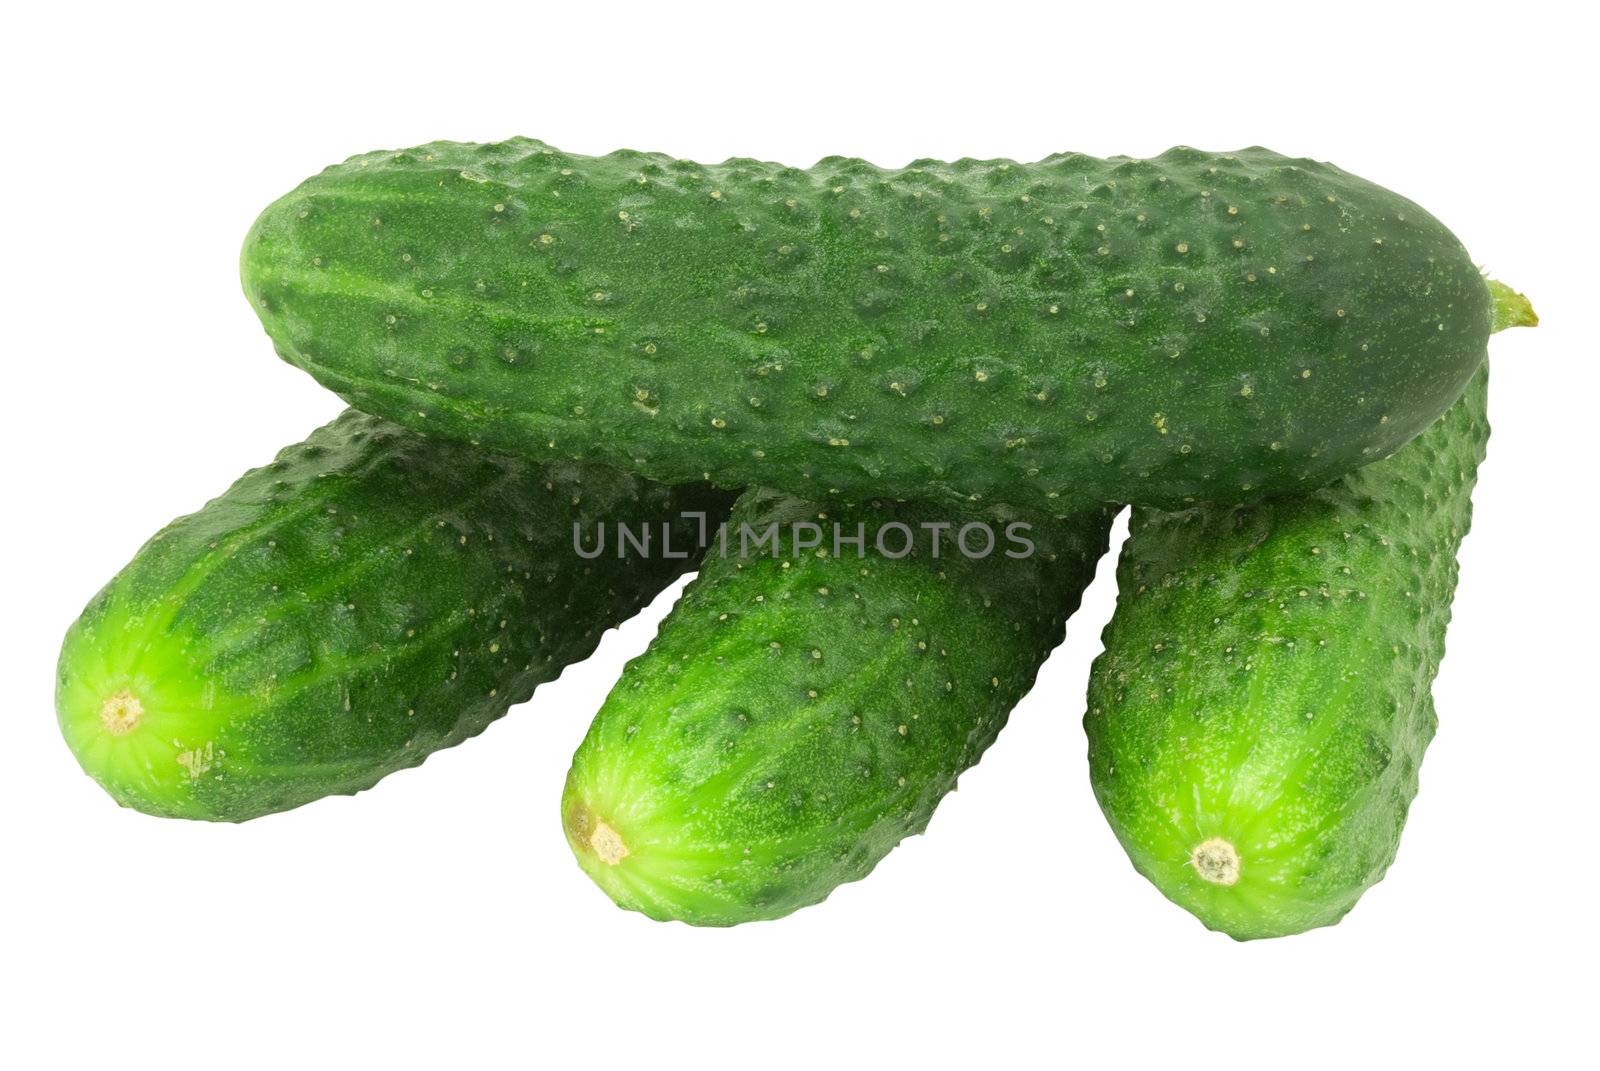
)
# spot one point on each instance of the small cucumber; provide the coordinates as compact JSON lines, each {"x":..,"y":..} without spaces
{"x":1197,"y":327}
{"x":799,"y":714}
{"x":366,"y":599}
{"x":1259,"y":714}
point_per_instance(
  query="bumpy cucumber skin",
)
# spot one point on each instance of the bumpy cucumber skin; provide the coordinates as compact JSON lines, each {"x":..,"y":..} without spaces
{"x":795,"y":719}
{"x":1197,"y":327}
{"x":366,"y":599}
{"x":1266,"y":681}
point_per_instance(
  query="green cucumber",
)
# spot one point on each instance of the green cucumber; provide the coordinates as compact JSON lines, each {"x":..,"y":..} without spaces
{"x":1258,"y":716}
{"x":1197,"y":327}
{"x":799,"y":714}
{"x":367,"y":598}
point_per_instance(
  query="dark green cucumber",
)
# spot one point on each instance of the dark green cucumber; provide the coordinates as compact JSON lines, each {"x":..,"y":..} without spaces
{"x":1259,"y":714}
{"x":1197,"y":327}
{"x":366,"y":599}
{"x":798,"y":715}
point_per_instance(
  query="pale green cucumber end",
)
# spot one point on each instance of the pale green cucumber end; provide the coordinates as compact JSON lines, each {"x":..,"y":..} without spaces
{"x":638,"y":857}
{"x":600,"y":843}
{"x":140,"y":728}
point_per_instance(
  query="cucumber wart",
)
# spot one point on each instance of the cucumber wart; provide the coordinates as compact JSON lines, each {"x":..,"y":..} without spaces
{"x":1197,"y":327}
{"x":798,"y":715}
{"x":366,"y":599}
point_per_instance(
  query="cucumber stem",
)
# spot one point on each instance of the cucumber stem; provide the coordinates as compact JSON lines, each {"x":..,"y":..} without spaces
{"x":1511,"y":309}
{"x":121,"y":713}
{"x":1217,"y":861}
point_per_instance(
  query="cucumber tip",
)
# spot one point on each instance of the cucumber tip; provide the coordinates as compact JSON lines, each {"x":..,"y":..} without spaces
{"x":1511,"y":309}
{"x":121,"y":713}
{"x":591,"y":834}
{"x":607,"y":843}
{"x":1216,"y":860}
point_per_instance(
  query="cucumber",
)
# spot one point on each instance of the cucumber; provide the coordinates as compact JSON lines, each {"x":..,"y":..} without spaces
{"x":1258,"y":716}
{"x":799,"y":714}
{"x":367,"y":598}
{"x":1197,"y":327}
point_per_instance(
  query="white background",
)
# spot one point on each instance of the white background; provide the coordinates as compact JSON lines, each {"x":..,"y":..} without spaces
{"x":439,"y":919}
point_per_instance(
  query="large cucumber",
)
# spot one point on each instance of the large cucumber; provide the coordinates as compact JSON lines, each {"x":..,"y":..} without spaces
{"x":800,"y":713}
{"x":1197,"y":327}
{"x":1258,"y":716}
{"x":366,"y":599}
